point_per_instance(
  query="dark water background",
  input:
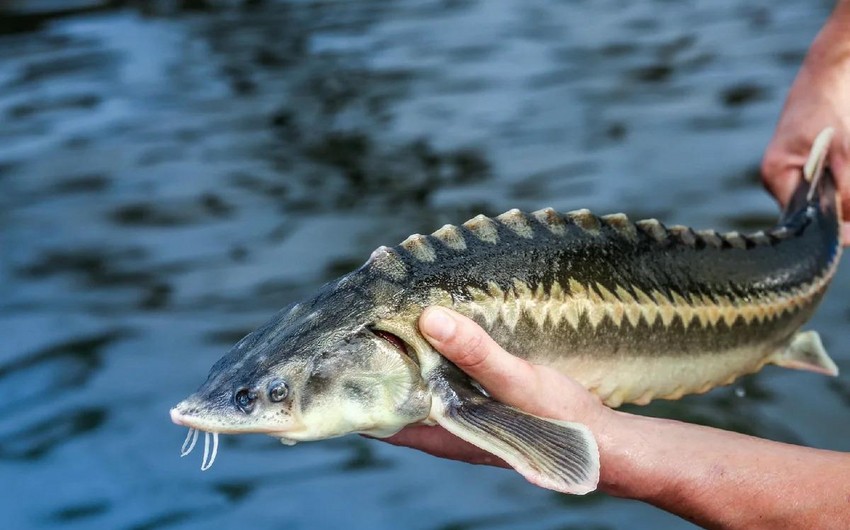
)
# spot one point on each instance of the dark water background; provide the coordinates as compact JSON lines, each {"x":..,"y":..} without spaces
{"x":172,"y":173}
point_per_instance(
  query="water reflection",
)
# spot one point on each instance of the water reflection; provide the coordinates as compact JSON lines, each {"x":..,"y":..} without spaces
{"x":174,"y":172}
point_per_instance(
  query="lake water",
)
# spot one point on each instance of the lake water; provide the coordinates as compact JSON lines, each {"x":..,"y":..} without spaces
{"x":170,"y":175}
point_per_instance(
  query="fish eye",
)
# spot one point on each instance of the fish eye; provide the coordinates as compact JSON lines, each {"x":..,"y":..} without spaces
{"x":244,"y":399}
{"x":278,"y":390}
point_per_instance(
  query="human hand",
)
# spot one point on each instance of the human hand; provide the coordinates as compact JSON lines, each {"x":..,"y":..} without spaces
{"x":535,"y":389}
{"x":819,"y":98}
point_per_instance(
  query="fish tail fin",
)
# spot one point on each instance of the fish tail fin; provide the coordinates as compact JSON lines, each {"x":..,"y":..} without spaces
{"x":806,"y":352}
{"x":816,"y":193}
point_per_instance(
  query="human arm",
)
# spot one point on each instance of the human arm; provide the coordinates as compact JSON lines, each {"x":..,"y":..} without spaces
{"x":819,"y":98}
{"x":711,"y":477}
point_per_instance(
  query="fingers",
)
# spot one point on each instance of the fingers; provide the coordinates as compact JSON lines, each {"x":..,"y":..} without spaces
{"x":781,"y":172}
{"x":841,"y":168}
{"x":463,"y":342}
{"x":532,"y":388}
{"x":439,"y":442}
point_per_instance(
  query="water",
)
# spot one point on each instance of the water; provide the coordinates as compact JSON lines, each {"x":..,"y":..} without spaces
{"x":172,"y":174}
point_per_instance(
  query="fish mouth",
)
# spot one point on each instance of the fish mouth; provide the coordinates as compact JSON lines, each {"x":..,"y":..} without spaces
{"x":201,"y":424}
{"x":197,"y":425}
{"x":192,"y":438}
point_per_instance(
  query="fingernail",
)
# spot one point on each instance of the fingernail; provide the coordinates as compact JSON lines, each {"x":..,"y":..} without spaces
{"x":438,"y":324}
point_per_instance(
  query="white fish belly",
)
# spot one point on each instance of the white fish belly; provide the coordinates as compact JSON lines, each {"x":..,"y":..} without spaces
{"x":640,"y":379}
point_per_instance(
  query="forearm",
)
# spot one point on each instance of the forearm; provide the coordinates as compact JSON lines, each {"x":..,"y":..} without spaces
{"x":720,"y":479}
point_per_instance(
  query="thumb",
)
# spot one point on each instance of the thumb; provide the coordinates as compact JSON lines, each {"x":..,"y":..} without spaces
{"x":464,"y":343}
{"x":532,"y":388}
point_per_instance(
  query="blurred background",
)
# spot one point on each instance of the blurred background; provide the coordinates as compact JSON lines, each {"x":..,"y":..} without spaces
{"x":171,"y":173}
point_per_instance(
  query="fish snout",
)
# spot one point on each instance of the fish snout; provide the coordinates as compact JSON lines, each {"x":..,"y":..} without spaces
{"x":192,"y":438}
{"x":177,"y":417}
{"x":187,"y":412}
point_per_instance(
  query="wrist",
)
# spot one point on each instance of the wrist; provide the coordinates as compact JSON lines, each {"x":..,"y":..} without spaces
{"x":641,"y":456}
{"x":626,"y":455}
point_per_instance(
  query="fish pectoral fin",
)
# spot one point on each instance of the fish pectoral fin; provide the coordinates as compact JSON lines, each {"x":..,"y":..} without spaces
{"x":556,"y":455}
{"x":806,"y":352}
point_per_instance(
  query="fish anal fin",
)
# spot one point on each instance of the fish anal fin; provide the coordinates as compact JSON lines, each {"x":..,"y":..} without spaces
{"x":557,"y":455}
{"x":806,"y":352}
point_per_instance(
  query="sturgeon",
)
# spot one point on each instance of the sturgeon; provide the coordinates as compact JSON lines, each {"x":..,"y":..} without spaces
{"x":632,"y":310}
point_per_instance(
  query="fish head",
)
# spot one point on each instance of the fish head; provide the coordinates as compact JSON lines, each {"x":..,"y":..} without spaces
{"x":317,"y":370}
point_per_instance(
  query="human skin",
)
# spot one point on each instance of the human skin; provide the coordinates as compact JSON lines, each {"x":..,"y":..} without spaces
{"x":818,"y":98}
{"x":714,"y":478}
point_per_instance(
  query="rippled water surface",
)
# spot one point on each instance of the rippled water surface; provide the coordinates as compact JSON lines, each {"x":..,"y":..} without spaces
{"x":173,"y":174}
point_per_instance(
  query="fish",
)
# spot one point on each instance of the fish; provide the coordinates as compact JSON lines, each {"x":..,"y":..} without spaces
{"x":633,"y":311}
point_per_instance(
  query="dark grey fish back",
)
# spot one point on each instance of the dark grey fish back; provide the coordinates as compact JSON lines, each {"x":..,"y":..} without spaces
{"x":546,"y":246}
